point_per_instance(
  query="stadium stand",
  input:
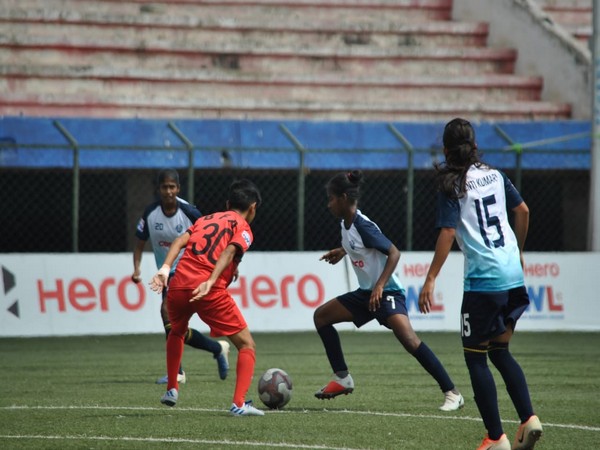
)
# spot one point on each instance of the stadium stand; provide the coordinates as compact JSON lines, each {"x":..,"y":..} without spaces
{"x":574,"y":15}
{"x":268,"y":59}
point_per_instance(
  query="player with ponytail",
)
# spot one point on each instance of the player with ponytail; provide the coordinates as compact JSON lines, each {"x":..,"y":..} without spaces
{"x":472,"y":208}
{"x":380,"y":294}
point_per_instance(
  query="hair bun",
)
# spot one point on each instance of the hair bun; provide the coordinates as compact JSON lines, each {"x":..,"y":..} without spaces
{"x":355,"y":176}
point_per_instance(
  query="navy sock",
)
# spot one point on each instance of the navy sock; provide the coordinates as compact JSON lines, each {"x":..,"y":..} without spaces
{"x":197,"y":340}
{"x":514,"y":378}
{"x":432,"y":364}
{"x":333,"y":348}
{"x":484,"y":389}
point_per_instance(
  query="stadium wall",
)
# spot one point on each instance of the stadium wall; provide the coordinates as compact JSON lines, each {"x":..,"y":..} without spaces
{"x":92,"y":294}
{"x":544,"y":48}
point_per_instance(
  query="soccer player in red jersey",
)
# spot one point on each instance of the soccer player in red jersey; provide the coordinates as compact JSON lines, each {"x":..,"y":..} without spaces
{"x":162,"y":222}
{"x":214,"y":246}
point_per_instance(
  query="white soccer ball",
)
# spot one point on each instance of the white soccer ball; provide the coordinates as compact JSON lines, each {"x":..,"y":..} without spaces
{"x":275,"y":388}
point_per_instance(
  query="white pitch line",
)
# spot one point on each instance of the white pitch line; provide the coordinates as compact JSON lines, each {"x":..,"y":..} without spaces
{"x":477,"y":419}
{"x":176,"y":441}
{"x":339,"y":411}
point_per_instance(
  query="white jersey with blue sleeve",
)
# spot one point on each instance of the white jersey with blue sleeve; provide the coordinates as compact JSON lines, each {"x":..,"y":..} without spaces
{"x":483,"y":233}
{"x":367,"y":247}
{"x":162,"y":230}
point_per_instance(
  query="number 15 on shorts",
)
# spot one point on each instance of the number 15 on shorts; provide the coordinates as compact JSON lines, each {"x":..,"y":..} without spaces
{"x":465,"y":326}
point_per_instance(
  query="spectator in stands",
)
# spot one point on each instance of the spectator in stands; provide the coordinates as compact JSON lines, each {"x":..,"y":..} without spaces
{"x":214,"y":247}
{"x":380,"y":294}
{"x":472,"y":208}
{"x":162,"y":222}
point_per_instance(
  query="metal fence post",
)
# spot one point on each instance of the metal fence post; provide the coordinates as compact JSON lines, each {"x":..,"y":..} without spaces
{"x":75,"y":214}
{"x":518,"y":149}
{"x":301,"y":184}
{"x":190,"y":148}
{"x":410,"y":184}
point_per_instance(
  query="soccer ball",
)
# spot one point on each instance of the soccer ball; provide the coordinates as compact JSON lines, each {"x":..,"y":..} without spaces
{"x":275,"y":388}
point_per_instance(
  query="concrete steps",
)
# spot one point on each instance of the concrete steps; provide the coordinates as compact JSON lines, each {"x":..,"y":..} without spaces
{"x":357,"y":12}
{"x":140,"y":31}
{"x":328,"y":59}
{"x":164,"y":107}
{"x":250,"y":59}
{"x":185,"y":85}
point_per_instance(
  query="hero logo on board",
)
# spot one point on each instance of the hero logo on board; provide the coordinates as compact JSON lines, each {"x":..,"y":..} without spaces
{"x":266,"y":292}
{"x":82,"y":295}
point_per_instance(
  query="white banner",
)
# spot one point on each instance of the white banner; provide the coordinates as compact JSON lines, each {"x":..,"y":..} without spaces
{"x":87,"y":294}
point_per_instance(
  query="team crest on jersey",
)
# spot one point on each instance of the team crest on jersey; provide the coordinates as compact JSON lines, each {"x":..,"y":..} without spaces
{"x":140,"y":225}
{"x":179,"y":228}
{"x":352,"y":244}
{"x":247,"y":238}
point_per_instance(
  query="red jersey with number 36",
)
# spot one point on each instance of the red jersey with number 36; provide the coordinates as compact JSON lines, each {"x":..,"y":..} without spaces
{"x":209,"y":236}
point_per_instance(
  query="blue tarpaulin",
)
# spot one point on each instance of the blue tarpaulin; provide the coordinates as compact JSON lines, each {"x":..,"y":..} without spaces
{"x":107,"y":143}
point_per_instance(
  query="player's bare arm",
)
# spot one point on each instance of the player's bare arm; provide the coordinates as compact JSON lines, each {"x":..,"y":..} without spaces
{"x":443,"y":246}
{"x":225,"y":258}
{"x":521,"y":225}
{"x":137,"y":259}
{"x":333,"y":256}
{"x":388,"y":270}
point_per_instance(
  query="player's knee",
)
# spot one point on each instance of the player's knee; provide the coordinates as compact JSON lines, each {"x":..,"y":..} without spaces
{"x":243,"y":340}
{"x":245,"y":344}
{"x":410,"y":342}
{"x":319,"y":317}
{"x":179,"y":331}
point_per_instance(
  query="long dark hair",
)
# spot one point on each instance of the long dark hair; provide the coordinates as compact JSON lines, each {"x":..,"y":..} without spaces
{"x":346,"y":183}
{"x":461,"y":153}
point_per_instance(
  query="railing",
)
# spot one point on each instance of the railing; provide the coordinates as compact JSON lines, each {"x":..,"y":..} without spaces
{"x":399,"y":194}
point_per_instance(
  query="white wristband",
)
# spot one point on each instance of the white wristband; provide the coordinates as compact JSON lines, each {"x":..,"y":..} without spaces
{"x":164,"y":271}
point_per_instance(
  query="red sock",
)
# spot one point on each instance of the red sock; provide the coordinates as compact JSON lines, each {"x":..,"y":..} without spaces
{"x":174,"y":354}
{"x":244,"y":373}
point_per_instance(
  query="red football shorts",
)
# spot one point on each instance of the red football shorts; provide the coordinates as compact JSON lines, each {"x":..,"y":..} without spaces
{"x":218,"y":310}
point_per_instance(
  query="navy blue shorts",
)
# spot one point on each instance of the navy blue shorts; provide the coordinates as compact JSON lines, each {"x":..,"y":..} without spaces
{"x":485,"y":315}
{"x":357,"y":302}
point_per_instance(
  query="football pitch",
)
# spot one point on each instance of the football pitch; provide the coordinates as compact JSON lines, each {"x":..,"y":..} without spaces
{"x":98,"y":392}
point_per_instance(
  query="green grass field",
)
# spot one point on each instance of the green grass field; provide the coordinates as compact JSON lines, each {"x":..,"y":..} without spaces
{"x":99,"y":393}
